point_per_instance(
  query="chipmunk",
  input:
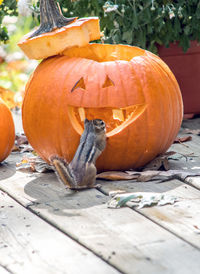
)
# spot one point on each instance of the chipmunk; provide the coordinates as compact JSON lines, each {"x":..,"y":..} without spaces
{"x":81,"y":171}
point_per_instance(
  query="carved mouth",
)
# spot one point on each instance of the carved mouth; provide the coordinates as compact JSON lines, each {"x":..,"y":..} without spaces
{"x":115,"y":119}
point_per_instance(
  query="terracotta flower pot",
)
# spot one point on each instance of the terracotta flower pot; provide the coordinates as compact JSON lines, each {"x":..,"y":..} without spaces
{"x":186,"y":67}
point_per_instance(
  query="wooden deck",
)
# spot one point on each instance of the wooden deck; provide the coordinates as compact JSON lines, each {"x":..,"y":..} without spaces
{"x":47,"y":229}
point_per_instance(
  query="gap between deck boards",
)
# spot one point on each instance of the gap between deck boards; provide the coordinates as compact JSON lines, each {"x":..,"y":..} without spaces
{"x":28,"y":207}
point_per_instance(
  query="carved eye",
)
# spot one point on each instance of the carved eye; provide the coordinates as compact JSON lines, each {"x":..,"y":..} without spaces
{"x":108,"y":82}
{"x":79,"y":84}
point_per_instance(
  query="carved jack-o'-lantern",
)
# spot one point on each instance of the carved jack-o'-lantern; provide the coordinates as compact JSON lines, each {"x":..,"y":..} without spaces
{"x":130,"y":89}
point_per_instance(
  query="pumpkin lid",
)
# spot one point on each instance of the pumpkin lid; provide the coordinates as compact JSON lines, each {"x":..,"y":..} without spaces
{"x":78,"y":33}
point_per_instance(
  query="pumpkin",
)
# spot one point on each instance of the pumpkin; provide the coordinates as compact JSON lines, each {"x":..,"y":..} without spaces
{"x":7,"y":129}
{"x":132,"y":90}
{"x":57,"y":33}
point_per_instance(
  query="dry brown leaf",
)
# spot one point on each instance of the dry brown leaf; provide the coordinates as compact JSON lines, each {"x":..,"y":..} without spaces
{"x":21,"y":139}
{"x":21,"y":144}
{"x":147,"y":175}
{"x":15,"y":148}
{"x":165,"y":175}
{"x":169,"y":153}
{"x":155,"y":164}
{"x":159,"y":162}
{"x":183,"y":139}
{"x":116,"y":176}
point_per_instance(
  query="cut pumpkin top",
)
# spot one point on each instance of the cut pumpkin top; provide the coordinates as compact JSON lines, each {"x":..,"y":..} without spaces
{"x":78,"y":33}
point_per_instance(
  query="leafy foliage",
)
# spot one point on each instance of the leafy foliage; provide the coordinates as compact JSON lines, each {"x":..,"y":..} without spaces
{"x":7,"y":7}
{"x":143,"y":23}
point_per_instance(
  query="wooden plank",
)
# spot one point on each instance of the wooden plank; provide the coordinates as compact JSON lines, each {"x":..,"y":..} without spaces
{"x":124,"y":238}
{"x":30,"y":245}
{"x":3,"y":270}
{"x":191,"y":151}
{"x":191,"y":123}
{"x":182,"y":218}
{"x":188,"y":154}
{"x":127,"y":240}
{"x":194,"y":181}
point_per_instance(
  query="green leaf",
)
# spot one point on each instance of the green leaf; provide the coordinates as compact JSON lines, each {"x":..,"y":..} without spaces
{"x":127,"y":37}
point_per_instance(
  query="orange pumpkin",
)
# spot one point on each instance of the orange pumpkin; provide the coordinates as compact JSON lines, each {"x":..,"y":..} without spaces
{"x":131,"y":89}
{"x":7,"y":129}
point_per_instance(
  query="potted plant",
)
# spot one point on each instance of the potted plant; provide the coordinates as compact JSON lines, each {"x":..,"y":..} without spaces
{"x":169,"y":28}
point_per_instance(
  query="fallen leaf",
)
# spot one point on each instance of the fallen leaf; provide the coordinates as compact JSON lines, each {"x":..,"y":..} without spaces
{"x":15,"y":148}
{"x":21,"y":139}
{"x":152,"y":175}
{"x":141,"y":199}
{"x":33,"y":164}
{"x":116,"y":176}
{"x":21,"y":144}
{"x":159,"y":162}
{"x":182,"y":139}
{"x":147,"y":175}
{"x":26,"y":148}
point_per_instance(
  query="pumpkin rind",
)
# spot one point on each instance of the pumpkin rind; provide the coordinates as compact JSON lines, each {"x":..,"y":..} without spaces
{"x":78,"y":33}
{"x":7,"y":135}
{"x":140,"y":80}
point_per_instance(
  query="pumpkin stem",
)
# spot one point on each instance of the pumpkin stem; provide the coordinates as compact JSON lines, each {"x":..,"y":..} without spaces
{"x":51,"y":18}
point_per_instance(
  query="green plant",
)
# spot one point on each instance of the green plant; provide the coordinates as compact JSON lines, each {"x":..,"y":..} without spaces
{"x":7,"y":7}
{"x":143,"y":23}
{"x":15,"y":70}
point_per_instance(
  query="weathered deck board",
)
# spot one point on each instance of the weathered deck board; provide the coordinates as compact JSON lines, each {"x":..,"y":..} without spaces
{"x":30,"y":245}
{"x":152,"y":240}
{"x":3,"y":270}
{"x":194,"y":181}
{"x":124,"y":238}
{"x":190,"y":149}
{"x":182,"y":218}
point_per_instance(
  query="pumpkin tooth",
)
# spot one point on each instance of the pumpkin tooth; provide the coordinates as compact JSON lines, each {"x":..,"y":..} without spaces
{"x":118,"y":114}
{"x":81,"y":112}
